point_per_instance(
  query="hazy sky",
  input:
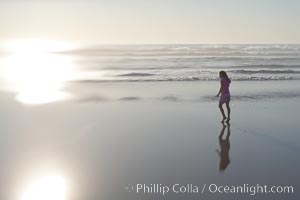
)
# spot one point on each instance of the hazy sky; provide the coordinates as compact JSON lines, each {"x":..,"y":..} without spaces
{"x":152,"y":21}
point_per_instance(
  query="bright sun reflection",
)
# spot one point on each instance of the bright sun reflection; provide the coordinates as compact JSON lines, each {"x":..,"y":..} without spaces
{"x":46,"y":188}
{"x":35,"y":73}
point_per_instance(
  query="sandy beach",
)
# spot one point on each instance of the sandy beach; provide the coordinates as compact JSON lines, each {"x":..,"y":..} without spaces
{"x":111,"y":136}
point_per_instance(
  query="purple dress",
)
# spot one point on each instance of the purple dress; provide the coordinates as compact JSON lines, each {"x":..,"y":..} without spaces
{"x":225,"y":94}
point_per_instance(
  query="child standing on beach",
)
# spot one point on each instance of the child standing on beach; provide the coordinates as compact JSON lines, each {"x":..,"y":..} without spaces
{"x":225,"y":95}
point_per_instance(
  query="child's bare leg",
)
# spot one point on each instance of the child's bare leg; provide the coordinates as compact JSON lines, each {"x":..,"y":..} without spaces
{"x":228,"y":111}
{"x":222,"y":112}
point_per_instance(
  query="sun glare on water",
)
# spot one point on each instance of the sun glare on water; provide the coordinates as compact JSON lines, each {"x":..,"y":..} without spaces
{"x":35,"y":72}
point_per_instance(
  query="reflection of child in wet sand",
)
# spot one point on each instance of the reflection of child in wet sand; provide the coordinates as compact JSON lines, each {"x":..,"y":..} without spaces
{"x":224,"y":148}
{"x":225,"y":95}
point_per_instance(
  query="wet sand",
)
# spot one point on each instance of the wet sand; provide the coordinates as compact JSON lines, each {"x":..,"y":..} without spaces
{"x":115,"y":135}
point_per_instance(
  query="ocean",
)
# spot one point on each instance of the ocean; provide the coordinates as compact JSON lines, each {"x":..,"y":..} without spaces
{"x":187,"y":62}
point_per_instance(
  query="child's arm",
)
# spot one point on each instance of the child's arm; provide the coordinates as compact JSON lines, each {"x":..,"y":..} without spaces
{"x":219,"y":91}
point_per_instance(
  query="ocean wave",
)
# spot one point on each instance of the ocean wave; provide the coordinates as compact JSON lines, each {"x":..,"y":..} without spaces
{"x":241,"y":71}
{"x":269,"y":47}
{"x":187,"y":62}
{"x":187,"y":50}
{"x":121,"y":68}
{"x":195,"y":53}
{"x":136,"y":74}
{"x":192,"y":78}
{"x":184,"y":48}
{"x":262,"y":66}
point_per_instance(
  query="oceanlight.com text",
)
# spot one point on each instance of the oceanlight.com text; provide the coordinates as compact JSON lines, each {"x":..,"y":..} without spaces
{"x":250,"y":189}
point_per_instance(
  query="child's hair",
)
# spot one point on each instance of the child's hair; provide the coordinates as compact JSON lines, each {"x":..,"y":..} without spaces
{"x":223,"y":74}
